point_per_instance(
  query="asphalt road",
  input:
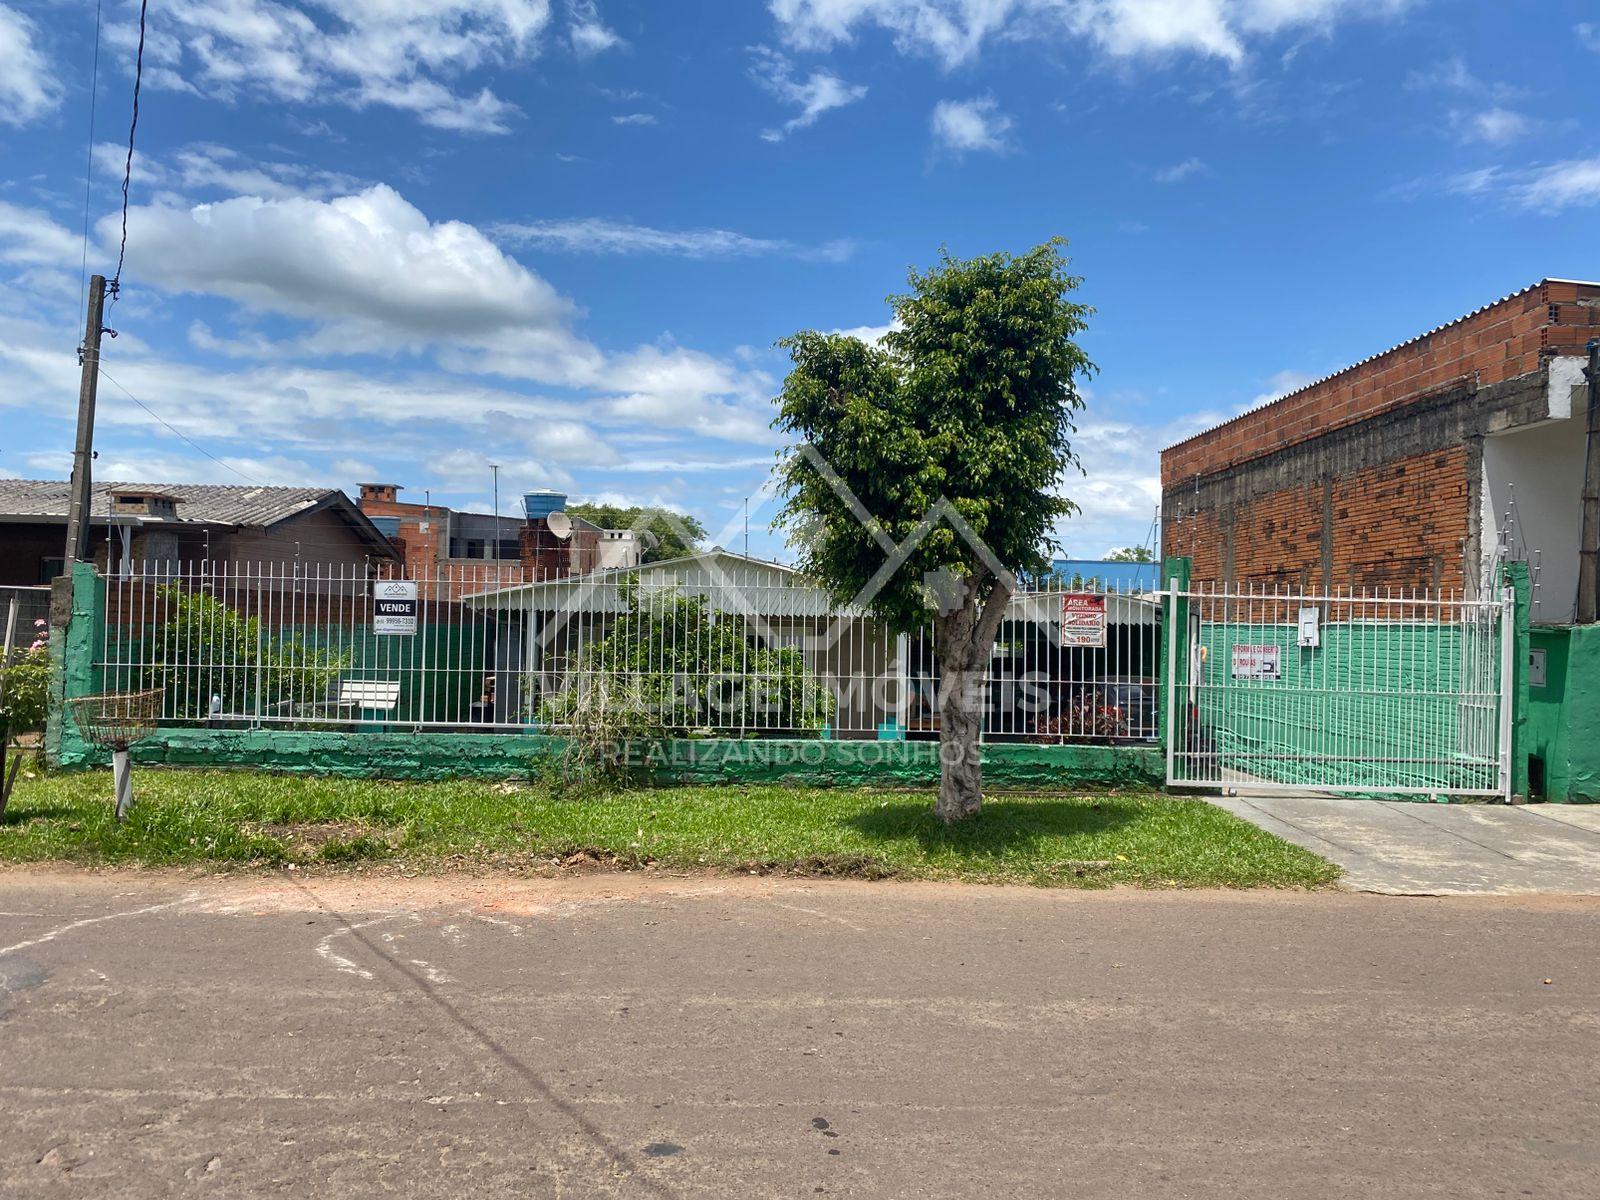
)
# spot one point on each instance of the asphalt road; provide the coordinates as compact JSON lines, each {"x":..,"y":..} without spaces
{"x":745,"y":1038}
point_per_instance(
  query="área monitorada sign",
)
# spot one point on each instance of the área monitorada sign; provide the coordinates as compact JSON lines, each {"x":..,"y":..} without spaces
{"x":1083,"y":620}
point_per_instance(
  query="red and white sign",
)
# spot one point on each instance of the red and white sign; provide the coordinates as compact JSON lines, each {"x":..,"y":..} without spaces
{"x":1257,"y":662}
{"x":1083,"y":620}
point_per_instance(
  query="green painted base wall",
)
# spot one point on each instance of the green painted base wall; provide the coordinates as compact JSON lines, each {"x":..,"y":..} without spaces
{"x":500,"y":756}
{"x":1564,"y":714}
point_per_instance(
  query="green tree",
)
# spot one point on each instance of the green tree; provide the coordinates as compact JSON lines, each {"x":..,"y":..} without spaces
{"x":1133,"y":554}
{"x":970,"y":401}
{"x":205,"y":649}
{"x":669,"y":527}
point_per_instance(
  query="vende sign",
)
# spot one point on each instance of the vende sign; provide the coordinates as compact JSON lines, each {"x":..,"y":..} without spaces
{"x":1083,"y":620}
{"x":394,"y":607}
{"x":1257,"y":662}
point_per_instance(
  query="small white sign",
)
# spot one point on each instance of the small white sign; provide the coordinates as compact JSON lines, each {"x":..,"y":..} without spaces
{"x":1083,"y":620}
{"x":394,"y":607}
{"x":1257,"y":662}
{"x":1310,"y":627}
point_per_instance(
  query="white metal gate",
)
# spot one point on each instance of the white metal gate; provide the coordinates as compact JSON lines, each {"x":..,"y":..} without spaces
{"x":1374,"y":693}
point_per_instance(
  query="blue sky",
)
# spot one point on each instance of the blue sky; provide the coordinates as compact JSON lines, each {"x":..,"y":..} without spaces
{"x":403,"y":240}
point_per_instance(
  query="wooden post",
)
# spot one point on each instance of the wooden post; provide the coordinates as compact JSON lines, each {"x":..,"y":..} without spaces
{"x":78,"y":510}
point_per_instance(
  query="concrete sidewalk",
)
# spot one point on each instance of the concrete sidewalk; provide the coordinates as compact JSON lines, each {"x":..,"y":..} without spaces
{"x":1439,"y":849}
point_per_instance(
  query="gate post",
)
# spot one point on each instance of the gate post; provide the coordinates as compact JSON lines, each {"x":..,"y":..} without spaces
{"x":77,"y":618}
{"x":1519,"y":592}
{"x":1174,"y":651}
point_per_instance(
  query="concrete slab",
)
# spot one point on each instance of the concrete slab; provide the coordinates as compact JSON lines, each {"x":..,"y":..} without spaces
{"x":1436,"y":849}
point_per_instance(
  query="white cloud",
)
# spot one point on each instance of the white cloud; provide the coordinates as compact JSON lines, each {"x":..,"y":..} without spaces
{"x":819,"y":93}
{"x":405,"y":54}
{"x":634,"y":118}
{"x":1279,"y":386}
{"x":954,"y":31}
{"x":369,"y":261}
{"x":28,"y":85}
{"x":871,"y":334}
{"x":1589,"y":35}
{"x":1178,"y":172}
{"x":962,"y":126}
{"x":31,"y":238}
{"x":595,"y":235}
{"x":465,"y":468}
{"x":208,"y":167}
{"x":586,"y":32}
{"x":1495,"y":126}
{"x":1550,"y":188}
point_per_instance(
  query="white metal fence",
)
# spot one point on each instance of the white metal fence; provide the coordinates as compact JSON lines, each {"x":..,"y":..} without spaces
{"x":748,"y":651}
{"x":1383,"y":692}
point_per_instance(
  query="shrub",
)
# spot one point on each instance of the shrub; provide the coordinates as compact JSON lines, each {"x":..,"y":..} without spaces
{"x":671,"y":665}
{"x":205,"y":648}
{"x":27,"y":686}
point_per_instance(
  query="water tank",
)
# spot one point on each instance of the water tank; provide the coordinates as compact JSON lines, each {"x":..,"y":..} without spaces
{"x":538,"y":505}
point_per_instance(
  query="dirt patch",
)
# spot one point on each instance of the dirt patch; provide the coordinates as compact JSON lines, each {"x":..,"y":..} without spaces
{"x":824,"y":866}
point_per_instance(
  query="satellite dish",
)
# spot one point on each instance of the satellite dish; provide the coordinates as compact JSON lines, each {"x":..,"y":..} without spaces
{"x":650,"y":540}
{"x":560,"y":524}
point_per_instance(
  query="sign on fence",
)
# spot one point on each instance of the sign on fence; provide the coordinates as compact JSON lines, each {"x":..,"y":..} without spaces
{"x":1257,"y":662}
{"x":1083,"y":620}
{"x":394,"y":607}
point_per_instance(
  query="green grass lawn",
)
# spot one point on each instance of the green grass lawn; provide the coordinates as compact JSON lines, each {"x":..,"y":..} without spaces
{"x":233,"y":819}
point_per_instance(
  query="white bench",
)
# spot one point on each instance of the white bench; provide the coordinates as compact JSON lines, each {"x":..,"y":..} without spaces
{"x":366,"y":695}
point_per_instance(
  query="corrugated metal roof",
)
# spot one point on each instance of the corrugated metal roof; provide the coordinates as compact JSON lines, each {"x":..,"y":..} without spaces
{"x":1371,"y":357}
{"x":200,"y":503}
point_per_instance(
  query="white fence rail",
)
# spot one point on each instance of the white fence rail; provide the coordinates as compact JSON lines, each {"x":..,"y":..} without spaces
{"x":1381,"y":692}
{"x":752,"y":652}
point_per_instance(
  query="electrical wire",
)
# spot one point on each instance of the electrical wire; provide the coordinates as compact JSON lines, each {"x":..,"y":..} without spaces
{"x":177,"y":433}
{"x":127,"y":170}
{"x":88,"y":163}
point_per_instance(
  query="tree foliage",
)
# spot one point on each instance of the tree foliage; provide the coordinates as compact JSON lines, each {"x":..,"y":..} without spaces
{"x":970,"y":400}
{"x":956,"y":430}
{"x":1131,"y":554}
{"x":205,"y":649}
{"x":679,"y":534}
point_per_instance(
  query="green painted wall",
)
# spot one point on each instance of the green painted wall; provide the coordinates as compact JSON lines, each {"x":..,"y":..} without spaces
{"x":809,"y":762}
{"x":1564,"y":714}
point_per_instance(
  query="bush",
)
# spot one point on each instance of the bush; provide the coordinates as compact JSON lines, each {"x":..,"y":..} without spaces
{"x":27,"y":686}
{"x":205,"y":648}
{"x":670,"y":665}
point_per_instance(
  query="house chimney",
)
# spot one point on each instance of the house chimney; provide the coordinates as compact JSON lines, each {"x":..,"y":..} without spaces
{"x":379,"y":493}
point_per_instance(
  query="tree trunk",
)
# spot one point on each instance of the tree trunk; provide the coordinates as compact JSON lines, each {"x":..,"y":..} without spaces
{"x":964,"y":640}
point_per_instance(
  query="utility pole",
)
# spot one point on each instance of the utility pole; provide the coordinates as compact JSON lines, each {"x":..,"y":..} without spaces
{"x":78,"y":511}
{"x":1589,"y":546}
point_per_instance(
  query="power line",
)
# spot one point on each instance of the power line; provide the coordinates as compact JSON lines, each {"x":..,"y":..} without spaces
{"x":179,"y":433}
{"x":88,"y":163}
{"x":127,"y":170}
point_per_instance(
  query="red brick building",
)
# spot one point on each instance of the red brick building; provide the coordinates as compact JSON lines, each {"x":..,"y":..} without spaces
{"x":1409,"y":468}
{"x":439,"y":542}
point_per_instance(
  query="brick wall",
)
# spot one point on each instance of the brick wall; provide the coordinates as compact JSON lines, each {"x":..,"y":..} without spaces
{"x":1503,"y":341}
{"x":1371,"y":478}
{"x":1404,"y":523}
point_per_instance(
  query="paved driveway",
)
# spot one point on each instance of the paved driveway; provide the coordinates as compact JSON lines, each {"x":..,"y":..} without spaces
{"x":624,"y":1037}
{"x":1440,"y":849}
